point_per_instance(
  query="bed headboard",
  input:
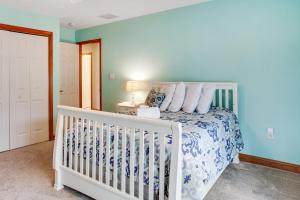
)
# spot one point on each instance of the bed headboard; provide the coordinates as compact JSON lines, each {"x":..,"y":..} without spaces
{"x":226,"y":94}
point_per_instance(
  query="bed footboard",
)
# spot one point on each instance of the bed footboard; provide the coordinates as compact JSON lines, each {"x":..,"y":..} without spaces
{"x":87,"y":159}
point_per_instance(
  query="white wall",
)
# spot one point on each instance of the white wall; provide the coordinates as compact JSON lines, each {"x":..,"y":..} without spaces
{"x":86,"y":81}
{"x":94,"y":49}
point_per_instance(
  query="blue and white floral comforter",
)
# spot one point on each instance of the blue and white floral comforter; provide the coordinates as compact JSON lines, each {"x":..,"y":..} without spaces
{"x":209,"y":142}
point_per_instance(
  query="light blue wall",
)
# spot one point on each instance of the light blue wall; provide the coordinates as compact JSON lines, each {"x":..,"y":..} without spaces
{"x":253,"y":42}
{"x":67,"y":35}
{"x":26,"y":19}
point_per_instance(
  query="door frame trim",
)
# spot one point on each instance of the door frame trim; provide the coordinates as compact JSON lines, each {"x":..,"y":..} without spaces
{"x":49,"y":35}
{"x":80,"y":68}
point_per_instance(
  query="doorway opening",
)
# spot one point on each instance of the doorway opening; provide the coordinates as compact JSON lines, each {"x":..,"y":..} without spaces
{"x":87,"y":81}
{"x":90,"y":74}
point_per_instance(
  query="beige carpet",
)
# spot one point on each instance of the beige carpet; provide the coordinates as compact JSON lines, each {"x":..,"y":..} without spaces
{"x":26,"y":173}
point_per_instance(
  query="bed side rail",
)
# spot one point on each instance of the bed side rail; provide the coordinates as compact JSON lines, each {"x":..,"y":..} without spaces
{"x":110,"y":172}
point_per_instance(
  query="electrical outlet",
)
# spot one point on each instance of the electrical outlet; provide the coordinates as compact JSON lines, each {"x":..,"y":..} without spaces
{"x":270,"y":133}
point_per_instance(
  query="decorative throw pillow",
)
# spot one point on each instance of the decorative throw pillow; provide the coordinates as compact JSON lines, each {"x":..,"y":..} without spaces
{"x":169,"y":90}
{"x":178,"y":98}
{"x":208,"y":93}
{"x":154,"y":98}
{"x":193,"y":93}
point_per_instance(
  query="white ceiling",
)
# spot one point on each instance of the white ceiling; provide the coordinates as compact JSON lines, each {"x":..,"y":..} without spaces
{"x":85,"y":13}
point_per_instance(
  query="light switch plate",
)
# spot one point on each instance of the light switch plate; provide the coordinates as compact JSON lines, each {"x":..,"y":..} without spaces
{"x":270,"y":133}
{"x":111,"y":76}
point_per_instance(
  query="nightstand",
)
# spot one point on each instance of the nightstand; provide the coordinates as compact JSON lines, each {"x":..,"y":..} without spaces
{"x":127,"y":108}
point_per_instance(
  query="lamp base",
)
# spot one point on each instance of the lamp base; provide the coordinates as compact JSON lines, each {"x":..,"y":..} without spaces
{"x":132,"y":102}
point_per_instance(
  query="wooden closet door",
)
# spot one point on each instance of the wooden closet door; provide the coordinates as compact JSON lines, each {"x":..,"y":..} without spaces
{"x":4,"y":93}
{"x":19,"y":90}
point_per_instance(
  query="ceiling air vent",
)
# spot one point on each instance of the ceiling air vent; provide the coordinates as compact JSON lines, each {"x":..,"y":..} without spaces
{"x":75,"y":1}
{"x":108,"y":16}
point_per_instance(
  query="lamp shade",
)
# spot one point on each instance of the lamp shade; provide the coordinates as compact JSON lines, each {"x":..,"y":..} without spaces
{"x":133,"y":86}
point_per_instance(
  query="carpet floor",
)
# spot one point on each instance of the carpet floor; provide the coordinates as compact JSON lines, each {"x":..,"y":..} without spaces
{"x":26,"y":173}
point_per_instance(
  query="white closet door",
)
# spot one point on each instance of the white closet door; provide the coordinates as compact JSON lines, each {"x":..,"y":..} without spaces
{"x":69,"y":74}
{"x":38,"y":64}
{"x":28,"y":89}
{"x":4,"y":94}
{"x":19,"y":90}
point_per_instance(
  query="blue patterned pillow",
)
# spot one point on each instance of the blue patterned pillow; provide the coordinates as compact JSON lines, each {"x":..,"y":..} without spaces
{"x":154,"y":98}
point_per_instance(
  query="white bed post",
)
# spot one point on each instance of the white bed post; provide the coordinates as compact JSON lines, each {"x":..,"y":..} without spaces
{"x":57,"y":152}
{"x":236,"y":159}
{"x":176,"y":163}
{"x":235,"y":99}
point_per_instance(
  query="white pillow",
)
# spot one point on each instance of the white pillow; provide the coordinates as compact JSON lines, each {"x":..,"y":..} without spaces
{"x":178,"y":98}
{"x":208,"y":93}
{"x":168,"y":90}
{"x":193,"y":93}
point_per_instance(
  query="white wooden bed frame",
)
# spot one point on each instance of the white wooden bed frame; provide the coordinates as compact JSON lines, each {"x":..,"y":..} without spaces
{"x":87,"y":177}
